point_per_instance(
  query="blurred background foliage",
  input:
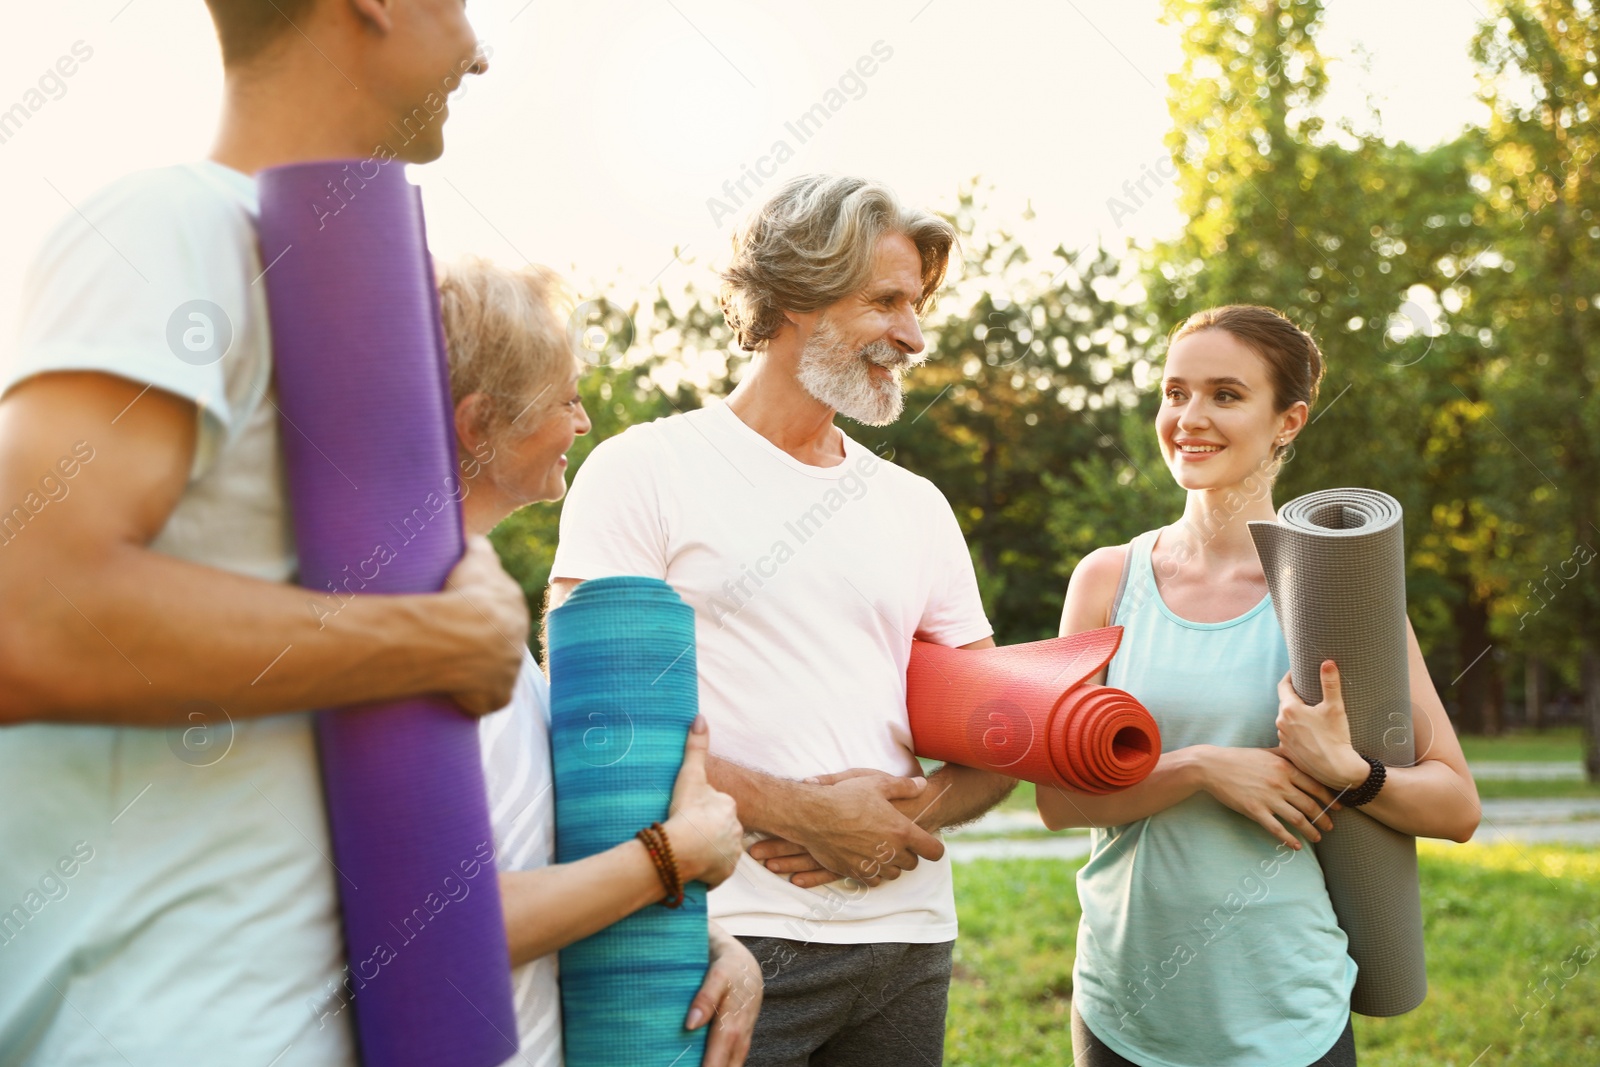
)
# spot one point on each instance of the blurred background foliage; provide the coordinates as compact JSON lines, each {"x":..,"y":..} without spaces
{"x":1452,"y":290}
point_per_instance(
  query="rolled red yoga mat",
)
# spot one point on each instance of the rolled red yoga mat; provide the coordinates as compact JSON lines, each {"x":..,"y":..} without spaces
{"x":369,"y":451}
{"x":1027,"y":711}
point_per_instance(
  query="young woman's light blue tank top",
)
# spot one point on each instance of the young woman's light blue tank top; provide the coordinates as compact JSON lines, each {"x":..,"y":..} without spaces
{"x":1205,"y":943}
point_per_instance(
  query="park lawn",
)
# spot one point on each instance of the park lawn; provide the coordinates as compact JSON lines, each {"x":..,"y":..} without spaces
{"x":1500,"y":921}
{"x":1517,"y":788}
{"x":1021,"y":798}
{"x":1561,"y":744}
{"x":1564,"y":744}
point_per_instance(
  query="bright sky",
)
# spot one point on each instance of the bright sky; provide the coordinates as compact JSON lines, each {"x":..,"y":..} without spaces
{"x":604,"y":128}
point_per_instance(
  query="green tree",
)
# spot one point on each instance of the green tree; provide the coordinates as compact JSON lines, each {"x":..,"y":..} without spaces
{"x":1031,"y":366}
{"x":1357,"y":240}
{"x":1538,"y":63}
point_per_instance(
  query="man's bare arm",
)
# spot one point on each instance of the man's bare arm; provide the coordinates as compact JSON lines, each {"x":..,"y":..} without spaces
{"x":100,"y":628}
{"x":954,"y":795}
{"x":957,"y":794}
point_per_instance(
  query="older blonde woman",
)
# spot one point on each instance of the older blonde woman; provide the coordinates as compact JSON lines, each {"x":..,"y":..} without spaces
{"x":517,"y":411}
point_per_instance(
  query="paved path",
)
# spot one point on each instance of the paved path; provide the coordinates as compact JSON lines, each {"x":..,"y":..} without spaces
{"x":1568,"y":820}
{"x":1568,"y":770}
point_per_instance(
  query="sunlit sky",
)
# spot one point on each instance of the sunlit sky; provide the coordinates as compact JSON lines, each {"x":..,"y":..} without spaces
{"x":603,"y":128}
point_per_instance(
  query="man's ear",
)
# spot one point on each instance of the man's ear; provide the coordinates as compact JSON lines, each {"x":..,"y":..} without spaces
{"x":377,"y":13}
{"x":801,"y":322}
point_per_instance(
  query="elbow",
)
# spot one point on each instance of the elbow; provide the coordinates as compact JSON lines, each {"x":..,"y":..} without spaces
{"x":21,"y":699}
{"x":1467,"y":818}
{"x":1469,"y":826}
{"x":1055,"y":814}
{"x":32,"y":685}
{"x":1047,"y":813}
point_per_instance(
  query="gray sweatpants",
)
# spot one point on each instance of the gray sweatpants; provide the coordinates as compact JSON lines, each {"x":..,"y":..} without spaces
{"x":850,"y":1005}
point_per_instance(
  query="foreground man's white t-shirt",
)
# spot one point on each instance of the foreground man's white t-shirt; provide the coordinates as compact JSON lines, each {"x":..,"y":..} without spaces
{"x":200,"y":921}
{"x":808,"y":586}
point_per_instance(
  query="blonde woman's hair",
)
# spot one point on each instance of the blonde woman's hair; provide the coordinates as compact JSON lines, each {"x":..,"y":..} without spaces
{"x":506,"y":333}
{"x":813,"y":243}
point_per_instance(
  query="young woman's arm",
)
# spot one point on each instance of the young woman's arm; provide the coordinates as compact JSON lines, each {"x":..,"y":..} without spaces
{"x":1434,"y":798}
{"x":1257,"y":783}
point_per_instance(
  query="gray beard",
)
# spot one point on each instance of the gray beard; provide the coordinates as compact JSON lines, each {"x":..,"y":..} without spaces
{"x":841,"y":377}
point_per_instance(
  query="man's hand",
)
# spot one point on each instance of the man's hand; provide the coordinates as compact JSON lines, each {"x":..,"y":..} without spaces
{"x":491,"y":617}
{"x":862,"y":827}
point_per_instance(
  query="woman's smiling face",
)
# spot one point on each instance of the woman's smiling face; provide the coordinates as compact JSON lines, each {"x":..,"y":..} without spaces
{"x":1218,"y":424}
{"x":533,"y":453}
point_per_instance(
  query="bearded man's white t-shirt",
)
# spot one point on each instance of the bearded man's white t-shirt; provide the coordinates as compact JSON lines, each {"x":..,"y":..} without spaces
{"x":808,"y":586}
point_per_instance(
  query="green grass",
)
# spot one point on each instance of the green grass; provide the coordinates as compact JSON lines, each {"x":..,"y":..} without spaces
{"x":1562,"y":744}
{"x":1021,"y":798}
{"x":1500,"y":920}
{"x":1512,"y":788}
{"x":1557,"y":745}
{"x":1488,"y":789}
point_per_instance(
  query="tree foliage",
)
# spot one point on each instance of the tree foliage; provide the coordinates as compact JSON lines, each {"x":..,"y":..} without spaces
{"x":1452,"y":289}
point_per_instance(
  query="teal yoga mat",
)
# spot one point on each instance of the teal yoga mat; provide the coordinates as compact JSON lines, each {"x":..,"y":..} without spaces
{"x":623,"y":695}
{"x":1335,"y":563}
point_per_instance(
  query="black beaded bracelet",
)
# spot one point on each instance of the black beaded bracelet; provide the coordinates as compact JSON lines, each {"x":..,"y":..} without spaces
{"x":1367,"y":790}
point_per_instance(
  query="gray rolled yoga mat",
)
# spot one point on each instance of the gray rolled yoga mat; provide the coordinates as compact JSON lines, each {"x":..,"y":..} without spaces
{"x":1335,"y":564}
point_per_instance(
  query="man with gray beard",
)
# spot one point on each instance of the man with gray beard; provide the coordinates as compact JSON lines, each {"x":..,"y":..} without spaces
{"x":812,"y":564}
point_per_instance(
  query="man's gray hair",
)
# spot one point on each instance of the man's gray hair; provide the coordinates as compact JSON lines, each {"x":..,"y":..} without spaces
{"x":813,"y":243}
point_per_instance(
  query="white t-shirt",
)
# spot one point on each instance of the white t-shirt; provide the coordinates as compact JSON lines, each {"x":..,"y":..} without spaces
{"x":203,"y":926}
{"x":808,"y":585}
{"x":522,"y":811}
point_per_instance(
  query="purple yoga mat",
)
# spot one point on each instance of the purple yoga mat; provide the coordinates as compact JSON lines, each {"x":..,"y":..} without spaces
{"x":369,"y":445}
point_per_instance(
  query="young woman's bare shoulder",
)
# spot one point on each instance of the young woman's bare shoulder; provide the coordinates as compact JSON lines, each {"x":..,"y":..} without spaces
{"x":1093,"y":584}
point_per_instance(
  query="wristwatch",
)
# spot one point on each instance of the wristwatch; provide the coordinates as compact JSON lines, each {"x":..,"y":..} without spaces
{"x":1367,"y":790}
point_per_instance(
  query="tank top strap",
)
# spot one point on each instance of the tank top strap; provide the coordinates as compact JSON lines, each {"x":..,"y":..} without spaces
{"x":1140,"y":586}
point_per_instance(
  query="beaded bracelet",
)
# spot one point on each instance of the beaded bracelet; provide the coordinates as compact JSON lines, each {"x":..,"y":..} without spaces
{"x":657,"y":844}
{"x":1367,"y":790}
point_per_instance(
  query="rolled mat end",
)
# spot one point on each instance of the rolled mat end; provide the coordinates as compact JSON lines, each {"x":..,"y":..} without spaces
{"x":1027,"y":711}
